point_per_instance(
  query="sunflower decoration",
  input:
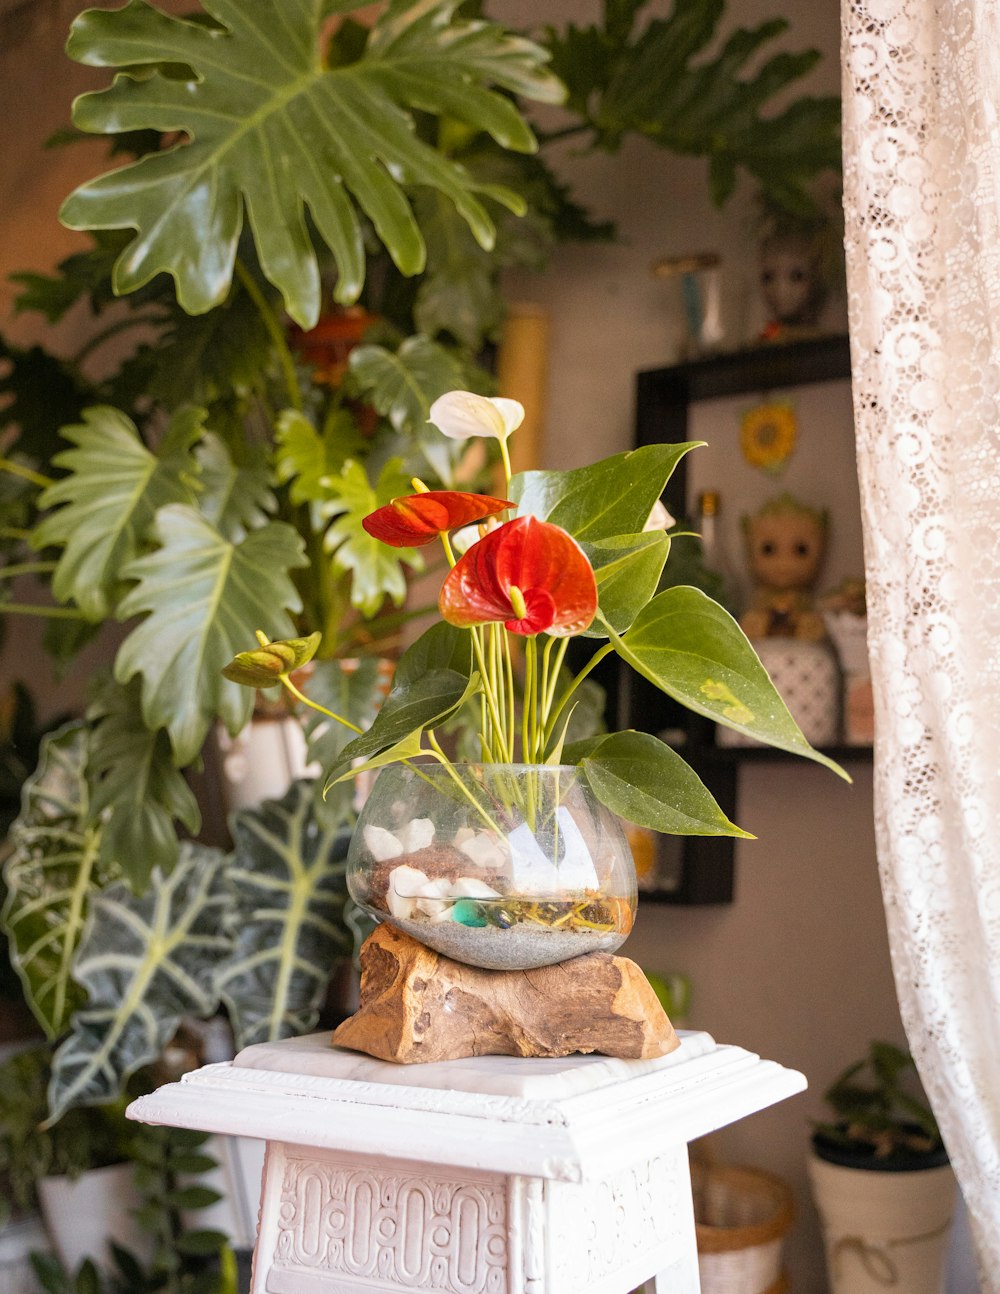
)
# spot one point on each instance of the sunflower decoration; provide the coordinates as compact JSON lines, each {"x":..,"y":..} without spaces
{"x":768,"y":434}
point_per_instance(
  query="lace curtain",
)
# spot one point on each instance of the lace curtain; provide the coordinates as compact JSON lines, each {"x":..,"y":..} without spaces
{"x":922,"y":202}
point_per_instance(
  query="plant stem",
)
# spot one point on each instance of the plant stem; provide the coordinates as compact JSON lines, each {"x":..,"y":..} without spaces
{"x":313,"y":705}
{"x":594,"y":660}
{"x":504,"y":638}
{"x":25,"y":568}
{"x":446,"y":764}
{"x":275,"y":331}
{"x":505,"y":456}
{"x":26,"y":473}
{"x":527,"y":701}
{"x":53,"y":613}
{"x":487,"y":677}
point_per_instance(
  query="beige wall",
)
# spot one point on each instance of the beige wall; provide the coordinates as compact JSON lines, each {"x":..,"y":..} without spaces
{"x":797,"y":967}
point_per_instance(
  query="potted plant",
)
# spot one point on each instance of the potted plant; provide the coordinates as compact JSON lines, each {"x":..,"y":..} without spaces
{"x":881,"y":1180}
{"x":208,"y":474}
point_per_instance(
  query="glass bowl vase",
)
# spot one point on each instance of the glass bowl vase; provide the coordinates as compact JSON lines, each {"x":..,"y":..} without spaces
{"x":504,"y":866}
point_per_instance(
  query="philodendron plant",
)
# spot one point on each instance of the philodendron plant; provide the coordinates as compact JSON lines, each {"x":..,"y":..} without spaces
{"x":280,"y":161}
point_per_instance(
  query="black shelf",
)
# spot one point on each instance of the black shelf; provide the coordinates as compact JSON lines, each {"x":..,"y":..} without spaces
{"x":702,"y":867}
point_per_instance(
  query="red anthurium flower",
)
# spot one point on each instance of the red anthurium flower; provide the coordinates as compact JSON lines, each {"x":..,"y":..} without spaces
{"x":529,"y":574}
{"x":416,"y":519}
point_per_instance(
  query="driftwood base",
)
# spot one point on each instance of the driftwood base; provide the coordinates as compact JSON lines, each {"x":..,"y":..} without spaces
{"x":419,"y":1006}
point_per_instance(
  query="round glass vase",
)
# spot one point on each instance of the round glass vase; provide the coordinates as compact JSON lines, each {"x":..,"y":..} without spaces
{"x":505,"y":866}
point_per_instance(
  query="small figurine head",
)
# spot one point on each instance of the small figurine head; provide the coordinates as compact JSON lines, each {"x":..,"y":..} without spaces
{"x":785,"y":543}
{"x":791,"y":279}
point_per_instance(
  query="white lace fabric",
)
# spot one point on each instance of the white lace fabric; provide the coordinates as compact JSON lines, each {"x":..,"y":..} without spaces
{"x":922,"y":205}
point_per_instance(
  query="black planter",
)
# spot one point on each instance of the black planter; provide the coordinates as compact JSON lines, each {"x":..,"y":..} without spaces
{"x":901,"y":1160}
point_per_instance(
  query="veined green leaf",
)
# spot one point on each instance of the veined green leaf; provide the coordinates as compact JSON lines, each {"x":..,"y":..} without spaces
{"x":442,"y":646}
{"x":627,"y":569}
{"x":376,"y":569}
{"x":105,"y":506}
{"x":54,"y":870}
{"x":288,"y":877}
{"x":607,"y":499}
{"x":145,"y":962}
{"x":693,"y":650}
{"x":203,"y":595}
{"x":236,"y":498}
{"x":410,"y":747}
{"x":403,"y":384}
{"x":409,"y":708}
{"x":136,"y":785}
{"x":270,"y":129}
{"x":642,"y":780}
{"x":305,"y":457}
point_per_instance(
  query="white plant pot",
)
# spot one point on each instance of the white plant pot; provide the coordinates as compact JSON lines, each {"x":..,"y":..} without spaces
{"x":84,"y":1215}
{"x":884,"y":1230}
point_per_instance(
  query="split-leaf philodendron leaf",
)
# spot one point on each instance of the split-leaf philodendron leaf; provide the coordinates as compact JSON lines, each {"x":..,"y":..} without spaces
{"x":270,"y":130}
{"x":54,"y":871}
{"x":288,"y":878}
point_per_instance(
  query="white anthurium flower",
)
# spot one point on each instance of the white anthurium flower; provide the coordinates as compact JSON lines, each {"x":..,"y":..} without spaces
{"x":659,"y":518}
{"x":462,"y":415}
{"x":463,"y":538}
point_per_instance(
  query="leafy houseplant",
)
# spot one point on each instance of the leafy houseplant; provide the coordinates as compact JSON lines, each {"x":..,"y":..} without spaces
{"x":512,"y":863}
{"x":881,"y":1180}
{"x":209,"y":482}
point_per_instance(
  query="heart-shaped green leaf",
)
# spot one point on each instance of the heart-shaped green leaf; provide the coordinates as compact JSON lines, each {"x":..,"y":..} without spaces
{"x":638,"y":777}
{"x":693,"y":650}
{"x":105,"y":505}
{"x":203,"y":595}
{"x":54,"y":870}
{"x":627,"y":569}
{"x":610,"y":498}
{"x":271,"y":130}
{"x":145,"y":963}
{"x":135,"y":783}
{"x":442,"y":646}
{"x":288,"y":877}
{"x":408,"y":709}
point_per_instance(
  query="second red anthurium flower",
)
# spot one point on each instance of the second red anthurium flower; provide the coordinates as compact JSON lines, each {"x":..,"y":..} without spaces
{"x":416,"y":519}
{"x":528,"y":574}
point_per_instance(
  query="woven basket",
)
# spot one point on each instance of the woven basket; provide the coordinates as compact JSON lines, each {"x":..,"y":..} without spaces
{"x":741,"y":1218}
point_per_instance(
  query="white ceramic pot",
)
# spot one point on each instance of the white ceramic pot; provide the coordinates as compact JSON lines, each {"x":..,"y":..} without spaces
{"x":884,"y":1230}
{"x":82,"y":1216}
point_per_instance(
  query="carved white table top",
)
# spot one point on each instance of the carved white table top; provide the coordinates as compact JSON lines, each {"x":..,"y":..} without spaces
{"x":574,"y":1119}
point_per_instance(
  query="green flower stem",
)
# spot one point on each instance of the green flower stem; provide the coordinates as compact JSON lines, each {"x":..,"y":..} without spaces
{"x":594,"y":660}
{"x":313,"y":705}
{"x":528,"y":701}
{"x":446,"y":764}
{"x":275,"y":331}
{"x":25,"y":568}
{"x":52,"y":613}
{"x":25,"y":473}
{"x":505,"y":456}
{"x":552,"y":677}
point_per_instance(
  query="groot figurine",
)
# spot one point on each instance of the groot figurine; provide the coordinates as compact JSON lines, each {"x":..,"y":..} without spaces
{"x":785,"y":545}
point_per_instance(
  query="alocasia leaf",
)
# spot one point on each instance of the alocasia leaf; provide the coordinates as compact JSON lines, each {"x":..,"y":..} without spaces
{"x":104,"y":507}
{"x":235,"y":498}
{"x":145,"y":962}
{"x":288,"y":879}
{"x":612,"y":497}
{"x":693,"y":650}
{"x":204,"y":596}
{"x":627,"y":569}
{"x":135,"y":783}
{"x":642,"y":780}
{"x":376,"y":569}
{"x":54,"y":870}
{"x":269,"y":129}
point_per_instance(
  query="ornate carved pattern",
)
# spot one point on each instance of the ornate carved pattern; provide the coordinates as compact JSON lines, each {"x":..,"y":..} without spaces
{"x":393,"y":1227}
{"x":599,"y":1228}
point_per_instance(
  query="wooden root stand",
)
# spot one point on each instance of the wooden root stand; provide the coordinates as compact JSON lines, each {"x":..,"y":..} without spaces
{"x":418,"y":1006}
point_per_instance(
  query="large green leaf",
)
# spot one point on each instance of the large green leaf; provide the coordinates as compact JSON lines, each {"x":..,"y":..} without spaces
{"x":638,"y":777}
{"x":288,"y":878}
{"x":205,"y":595}
{"x":693,"y":650}
{"x":409,"y":708}
{"x":105,"y":505}
{"x":54,"y":870}
{"x":268,"y":127}
{"x":403,"y":384}
{"x":236,"y":497}
{"x":442,"y":646}
{"x":145,"y":962}
{"x":136,"y":786}
{"x":612,"y":497}
{"x":627,"y":569}
{"x":376,"y":569}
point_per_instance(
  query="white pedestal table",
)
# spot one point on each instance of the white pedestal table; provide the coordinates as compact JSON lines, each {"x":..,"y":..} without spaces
{"x":493,"y":1175}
